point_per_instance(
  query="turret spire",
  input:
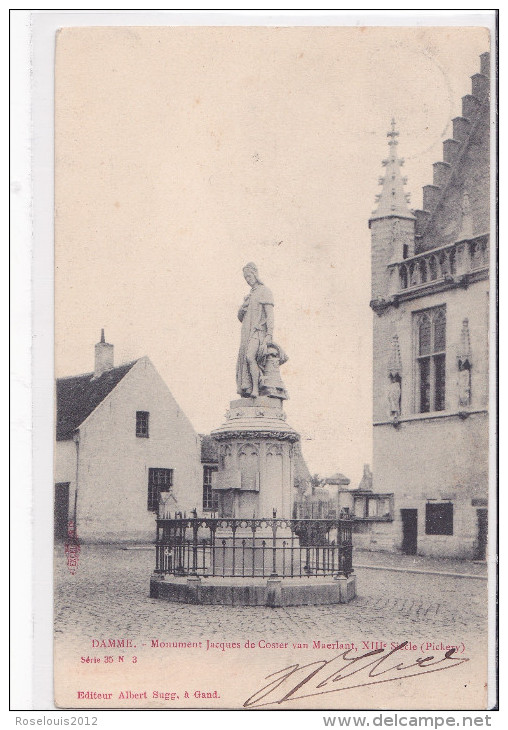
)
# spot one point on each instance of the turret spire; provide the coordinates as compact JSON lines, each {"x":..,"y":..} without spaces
{"x":392,"y":201}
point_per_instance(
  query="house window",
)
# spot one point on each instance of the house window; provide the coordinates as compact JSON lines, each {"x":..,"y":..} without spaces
{"x":159,"y":480}
{"x":142,"y":424}
{"x":373,"y":507}
{"x":210,"y":500}
{"x":439,"y":518}
{"x":385,"y":508}
{"x":430,"y":333}
{"x":359,"y":507}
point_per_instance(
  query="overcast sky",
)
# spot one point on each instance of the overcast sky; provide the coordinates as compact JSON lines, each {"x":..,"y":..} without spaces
{"x":183,"y":153}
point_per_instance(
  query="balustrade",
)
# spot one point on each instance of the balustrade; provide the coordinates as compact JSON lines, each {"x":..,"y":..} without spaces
{"x":442,"y":263}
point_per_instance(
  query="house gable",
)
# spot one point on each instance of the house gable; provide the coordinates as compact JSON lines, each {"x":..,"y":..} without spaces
{"x":461,"y":181}
{"x":78,"y":396}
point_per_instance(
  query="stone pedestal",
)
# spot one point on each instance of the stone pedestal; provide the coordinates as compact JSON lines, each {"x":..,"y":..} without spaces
{"x":256,"y":453}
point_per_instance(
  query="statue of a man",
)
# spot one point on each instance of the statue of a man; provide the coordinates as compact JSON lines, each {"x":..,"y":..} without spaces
{"x":394,"y":396}
{"x":256,"y":316}
{"x":464,"y":379}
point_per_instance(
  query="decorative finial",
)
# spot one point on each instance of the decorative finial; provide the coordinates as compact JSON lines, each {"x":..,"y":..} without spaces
{"x":102,"y":336}
{"x":392,"y":134}
{"x":395,"y":362}
{"x":392,"y":201}
{"x":464,"y":353}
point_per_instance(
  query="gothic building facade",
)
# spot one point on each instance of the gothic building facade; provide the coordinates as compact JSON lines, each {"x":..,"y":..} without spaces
{"x":430,"y":298}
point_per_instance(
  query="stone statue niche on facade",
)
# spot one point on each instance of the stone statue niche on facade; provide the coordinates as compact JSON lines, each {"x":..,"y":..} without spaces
{"x":259,"y":357}
{"x":394,"y":381}
{"x":464,"y":364}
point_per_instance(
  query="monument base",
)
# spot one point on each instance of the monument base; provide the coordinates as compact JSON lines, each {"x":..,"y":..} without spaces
{"x":272,"y":592}
{"x":256,"y":460}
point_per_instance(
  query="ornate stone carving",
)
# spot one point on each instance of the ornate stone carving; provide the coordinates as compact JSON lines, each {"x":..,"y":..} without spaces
{"x":274,"y":449}
{"x":395,"y":379}
{"x":256,"y":412}
{"x":270,"y":381}
{"x":394,"y":393}
{"x":241,"y":434}
{"x":464,"y":378}
{"x":248,"y":449}
{"x":464,"y":364}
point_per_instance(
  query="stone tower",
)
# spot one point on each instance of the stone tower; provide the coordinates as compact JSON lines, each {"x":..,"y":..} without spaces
{"x":392,"y":226}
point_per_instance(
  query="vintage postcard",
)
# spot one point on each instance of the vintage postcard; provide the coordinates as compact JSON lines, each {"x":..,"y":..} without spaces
{"x":274,"y":353}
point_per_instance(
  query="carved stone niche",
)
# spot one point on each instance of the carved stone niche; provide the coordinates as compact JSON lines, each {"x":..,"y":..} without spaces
{"x":394,"y":393}
{"x":464,"y":365}
{"x":395,"y":381}
{"x":248,"y":463}
{"x":274,"y":449}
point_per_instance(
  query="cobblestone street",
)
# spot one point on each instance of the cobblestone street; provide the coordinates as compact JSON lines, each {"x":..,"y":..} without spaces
{"x":109,"y":596}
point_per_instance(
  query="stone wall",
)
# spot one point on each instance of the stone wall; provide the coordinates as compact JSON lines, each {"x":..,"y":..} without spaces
{"x":432,"y":459}
{"x":471,"y":304}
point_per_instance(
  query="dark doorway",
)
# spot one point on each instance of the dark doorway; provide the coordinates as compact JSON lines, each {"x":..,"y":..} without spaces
{"x":481,"y":541}
{"x":61,"y":510}
{"x":409,"y":531}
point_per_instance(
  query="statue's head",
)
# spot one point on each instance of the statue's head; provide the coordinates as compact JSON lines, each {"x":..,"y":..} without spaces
{"x":250,"y":273}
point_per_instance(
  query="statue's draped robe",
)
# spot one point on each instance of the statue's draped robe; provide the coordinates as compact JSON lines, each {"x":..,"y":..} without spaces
{"x":252,"y":315}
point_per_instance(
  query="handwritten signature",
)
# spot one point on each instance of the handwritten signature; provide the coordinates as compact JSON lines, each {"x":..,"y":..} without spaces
{"x":296,"y":682}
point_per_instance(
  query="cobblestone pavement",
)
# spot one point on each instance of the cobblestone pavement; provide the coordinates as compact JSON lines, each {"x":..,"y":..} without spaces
{"x":109,"y":596}
{"x":416,"y":562}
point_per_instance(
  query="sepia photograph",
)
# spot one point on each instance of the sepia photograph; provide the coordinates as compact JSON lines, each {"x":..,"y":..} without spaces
{"x":274,"y":366}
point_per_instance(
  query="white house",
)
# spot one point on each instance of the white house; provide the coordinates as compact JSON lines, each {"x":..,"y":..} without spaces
{"x":121,"y":439}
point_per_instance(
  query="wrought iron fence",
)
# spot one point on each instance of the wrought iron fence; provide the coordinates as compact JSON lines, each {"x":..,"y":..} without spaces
{"x":248,"y":548}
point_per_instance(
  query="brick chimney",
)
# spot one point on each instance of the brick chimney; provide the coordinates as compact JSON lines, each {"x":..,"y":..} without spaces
{"x":103,"y":356}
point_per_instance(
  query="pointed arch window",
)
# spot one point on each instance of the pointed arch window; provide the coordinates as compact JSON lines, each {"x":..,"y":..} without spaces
{"x":403,"y":277}
{"x":423,"y":271}
{"x":433,"y":268}
{"x":430,"y":331}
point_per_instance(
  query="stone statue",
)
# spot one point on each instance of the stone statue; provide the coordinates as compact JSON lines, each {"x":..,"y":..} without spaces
{"x":466,"y":230}
{"x":464,"y":378}
{"x":259,"y":357}
{"x":270,"y":381}
{"x":394,"y":397}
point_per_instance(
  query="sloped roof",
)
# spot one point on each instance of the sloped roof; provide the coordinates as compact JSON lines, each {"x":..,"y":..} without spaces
{"x":338,"y":478}
{"x":79,"y":395}
{"x":209,"y":449}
